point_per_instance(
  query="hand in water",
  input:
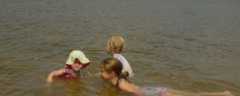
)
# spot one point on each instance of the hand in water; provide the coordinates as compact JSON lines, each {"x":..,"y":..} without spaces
{"x":90,"y":75}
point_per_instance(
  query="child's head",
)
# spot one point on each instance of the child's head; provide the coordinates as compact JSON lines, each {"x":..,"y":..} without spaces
{"x":111,"y":68}
{"x":115,"y":44}
{"x":77,"y":60}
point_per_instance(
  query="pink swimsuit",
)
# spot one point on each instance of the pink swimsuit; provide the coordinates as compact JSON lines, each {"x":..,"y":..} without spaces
{"x":69,"y":73}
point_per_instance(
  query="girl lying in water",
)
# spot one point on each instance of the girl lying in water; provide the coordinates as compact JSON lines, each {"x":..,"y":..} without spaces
{"x":111,"y":71}
{"x":75,"y":62}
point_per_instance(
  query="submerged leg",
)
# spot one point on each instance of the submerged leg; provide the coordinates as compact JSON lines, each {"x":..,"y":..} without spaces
{"x":225,"y":93}
{"x":172,"y":92}
{"x":183,"y":93}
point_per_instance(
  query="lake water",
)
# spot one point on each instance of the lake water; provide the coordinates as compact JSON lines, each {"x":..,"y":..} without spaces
{"x":190,"y":45}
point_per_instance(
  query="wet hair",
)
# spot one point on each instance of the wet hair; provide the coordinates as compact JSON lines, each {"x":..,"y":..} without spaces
{"x":115,"y":44}
{"x":113,"y":65}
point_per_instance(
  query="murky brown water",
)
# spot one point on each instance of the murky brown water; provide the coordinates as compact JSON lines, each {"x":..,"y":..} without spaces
{"x":188,"y":45}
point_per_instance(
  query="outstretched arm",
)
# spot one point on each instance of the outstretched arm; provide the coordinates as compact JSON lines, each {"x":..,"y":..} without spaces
{"x":129,"y":87}
{"x":55,"y":74}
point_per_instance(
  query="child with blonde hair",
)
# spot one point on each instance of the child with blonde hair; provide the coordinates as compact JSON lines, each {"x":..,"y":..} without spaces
{"x":111,"y":70}
{"x":115,"y":46}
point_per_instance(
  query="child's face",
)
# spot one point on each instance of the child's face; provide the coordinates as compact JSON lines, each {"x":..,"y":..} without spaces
{"x":76,"y":67}
{"x":108,"y":50}
{"x":106,"y":75}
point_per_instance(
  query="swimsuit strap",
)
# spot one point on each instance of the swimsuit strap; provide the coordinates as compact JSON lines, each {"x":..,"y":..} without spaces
{"x":117,"y":83}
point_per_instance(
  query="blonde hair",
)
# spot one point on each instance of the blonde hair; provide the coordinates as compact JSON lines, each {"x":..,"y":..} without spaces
{"x":113,"y":65}
{"x":115,"y":44}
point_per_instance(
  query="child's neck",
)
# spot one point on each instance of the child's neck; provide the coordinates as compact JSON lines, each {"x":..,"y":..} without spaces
{"x":116,"y":52}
